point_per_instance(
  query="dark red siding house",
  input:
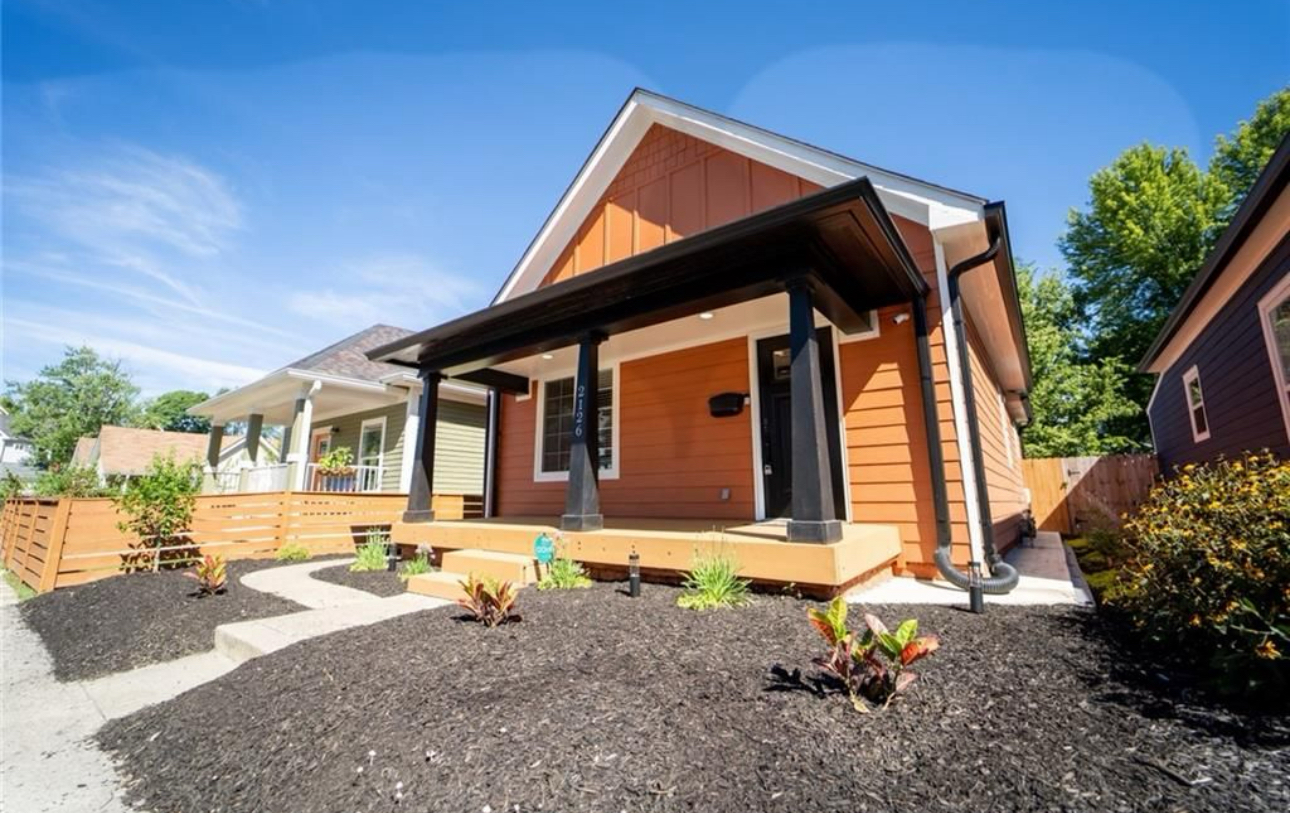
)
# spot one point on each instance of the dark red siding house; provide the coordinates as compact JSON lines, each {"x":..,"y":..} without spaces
{"x":1223,"y":358}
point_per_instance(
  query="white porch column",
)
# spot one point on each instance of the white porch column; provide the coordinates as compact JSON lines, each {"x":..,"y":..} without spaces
{"x":301,"y":431}
{"x":411,"y":439}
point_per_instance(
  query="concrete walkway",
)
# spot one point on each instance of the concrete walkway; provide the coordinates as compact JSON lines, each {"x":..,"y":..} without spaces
{"x":1046,"y":566}
{"x":48,"y":762}
{"x":295,"y":583}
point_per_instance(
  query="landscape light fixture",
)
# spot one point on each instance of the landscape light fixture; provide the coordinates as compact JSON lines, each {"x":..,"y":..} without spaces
{"x":976,"y":588}
{"x":634,"y":574}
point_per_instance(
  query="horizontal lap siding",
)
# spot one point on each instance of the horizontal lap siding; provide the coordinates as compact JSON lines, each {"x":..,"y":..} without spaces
{"x":459,"y":444}
{"x":886,"y":440}
{"x":675,"y":458}
{"x":1236,"y":379}
{"x":1001,"y":457}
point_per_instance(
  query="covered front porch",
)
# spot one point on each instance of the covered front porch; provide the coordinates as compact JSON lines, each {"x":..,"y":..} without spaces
{"x":824,"y":264}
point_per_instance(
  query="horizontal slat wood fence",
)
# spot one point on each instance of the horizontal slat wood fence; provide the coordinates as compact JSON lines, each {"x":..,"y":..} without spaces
{"x":1072,"y":494}
{"x":51,"y":543}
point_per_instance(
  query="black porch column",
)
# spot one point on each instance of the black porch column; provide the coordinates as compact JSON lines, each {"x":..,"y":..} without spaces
{"x":421,"y":489}
{"x":813,"y":514}
{"x":582,"y":499}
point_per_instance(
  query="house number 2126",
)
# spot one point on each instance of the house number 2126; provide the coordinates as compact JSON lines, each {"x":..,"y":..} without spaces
{"x":580,"y":411}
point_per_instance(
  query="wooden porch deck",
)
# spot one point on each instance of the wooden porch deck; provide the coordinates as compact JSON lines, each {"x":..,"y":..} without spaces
{"x":668,"y":546}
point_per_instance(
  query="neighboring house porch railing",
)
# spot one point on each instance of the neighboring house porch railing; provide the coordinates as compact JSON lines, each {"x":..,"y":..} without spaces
{"x":357,"y":479}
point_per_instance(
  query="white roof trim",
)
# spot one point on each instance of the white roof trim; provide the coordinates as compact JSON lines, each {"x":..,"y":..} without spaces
{"x":933,"y":206}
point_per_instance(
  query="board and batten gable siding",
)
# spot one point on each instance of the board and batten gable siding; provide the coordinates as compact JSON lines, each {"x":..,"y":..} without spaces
{"x":1236,"y":379}
{"x":459,"y":444}
{"x":672,"y":186}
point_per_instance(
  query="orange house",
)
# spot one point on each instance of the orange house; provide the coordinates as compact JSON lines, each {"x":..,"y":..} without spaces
{"x":723,"y":335}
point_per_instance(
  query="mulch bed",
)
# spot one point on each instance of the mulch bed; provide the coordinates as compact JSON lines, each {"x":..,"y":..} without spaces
{"x":378,"y":582}
{"x":133,"y":620}
{"x":597,"y":702}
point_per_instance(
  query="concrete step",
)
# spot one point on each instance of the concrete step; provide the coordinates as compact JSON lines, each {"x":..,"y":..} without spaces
{"x":442,"y":584}
{"x":515,"y":568}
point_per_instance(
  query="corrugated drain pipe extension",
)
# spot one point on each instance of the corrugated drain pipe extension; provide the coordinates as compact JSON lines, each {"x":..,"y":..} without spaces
{"x":1003,"y":576}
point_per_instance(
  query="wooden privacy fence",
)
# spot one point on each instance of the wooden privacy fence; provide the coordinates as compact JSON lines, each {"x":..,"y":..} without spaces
{"x":1072,"y":494}
{"x":51,"y":543}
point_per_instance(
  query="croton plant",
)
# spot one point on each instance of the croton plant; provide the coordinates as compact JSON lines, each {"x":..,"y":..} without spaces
{"x":871,"y":665}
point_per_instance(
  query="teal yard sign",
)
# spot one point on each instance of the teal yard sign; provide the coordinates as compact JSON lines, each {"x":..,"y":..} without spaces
{"x":544,"y":549}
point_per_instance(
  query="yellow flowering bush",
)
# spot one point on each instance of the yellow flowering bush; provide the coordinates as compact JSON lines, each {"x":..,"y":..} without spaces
{"x":1208,"y":570}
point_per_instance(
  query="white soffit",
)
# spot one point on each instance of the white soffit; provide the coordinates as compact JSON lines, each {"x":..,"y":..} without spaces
{"x":928,"y":204}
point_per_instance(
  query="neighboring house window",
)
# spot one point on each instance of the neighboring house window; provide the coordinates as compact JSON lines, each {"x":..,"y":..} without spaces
{"x":371,"y":442}
{"x":1196,"y":405}
{"x":555,"y":426}
{"x":1274,"y":313}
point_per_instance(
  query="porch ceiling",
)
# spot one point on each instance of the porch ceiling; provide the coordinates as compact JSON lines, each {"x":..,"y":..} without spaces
{"x":842,"y":238}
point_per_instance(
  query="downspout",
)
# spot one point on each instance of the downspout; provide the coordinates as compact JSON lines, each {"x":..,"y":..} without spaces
{"x":1003,"y":576}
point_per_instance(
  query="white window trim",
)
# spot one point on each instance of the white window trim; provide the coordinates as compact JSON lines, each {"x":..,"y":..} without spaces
{"x":615,"y":410}
{"x":362,"y":429}
{"x":1279,"y":293}
{"x":1191,"y":375}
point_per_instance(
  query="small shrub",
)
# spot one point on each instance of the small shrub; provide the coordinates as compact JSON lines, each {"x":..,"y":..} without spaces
{"x":564,"y":574}
{"x":69,"y":481}
{"x":416,"y":565}
{"x":211,"y":574}
{"x":489,"y":601}
{"x":713,"y":582}
{"x":11,"y":485}
{"x":292,"y":552}
{"x":372,"y":554}
{"x":158,"y":506}
{"x":1208,"y":576}
{"x":871,"y":667}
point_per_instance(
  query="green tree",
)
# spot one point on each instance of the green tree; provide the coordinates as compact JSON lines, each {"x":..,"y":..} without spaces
{"x":158,"y":507}
{"x":1134,"y":250}
{"x":169,"y":412}
{"x":68,"y":400}
{"x":1239,"y":158}
{"x":1080,"y":406}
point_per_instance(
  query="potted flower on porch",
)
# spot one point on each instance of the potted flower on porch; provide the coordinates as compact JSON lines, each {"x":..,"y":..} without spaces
{"x":336,"y":470}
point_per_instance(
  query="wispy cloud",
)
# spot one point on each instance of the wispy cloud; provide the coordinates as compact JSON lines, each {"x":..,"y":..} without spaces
{"x":136,"y":210}
{"x":405,"y":290}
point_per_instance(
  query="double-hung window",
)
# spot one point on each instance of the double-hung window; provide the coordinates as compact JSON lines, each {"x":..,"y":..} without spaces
{"x":1195,"y":405}
{"x":555,"y":428}
{"x":1274,"y":313}
{"x":371,"y":453}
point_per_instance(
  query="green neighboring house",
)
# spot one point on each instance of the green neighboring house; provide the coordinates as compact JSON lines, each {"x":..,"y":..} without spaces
{"x":338,"y":398}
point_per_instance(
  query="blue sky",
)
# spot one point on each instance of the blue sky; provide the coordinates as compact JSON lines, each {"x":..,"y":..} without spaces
{"x":208,"y":190}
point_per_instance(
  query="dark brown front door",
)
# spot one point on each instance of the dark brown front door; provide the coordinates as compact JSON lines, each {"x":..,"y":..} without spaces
{"x":773,"y":366}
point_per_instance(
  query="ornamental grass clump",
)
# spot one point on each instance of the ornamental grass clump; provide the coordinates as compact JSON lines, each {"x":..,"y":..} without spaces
{"x":873,"y":666}
{"x":371,"y":555}
{"x":1208,"y":573}
{"x":418,"y":564}
{"x":713,"y":582}
{"x":564,"y":574}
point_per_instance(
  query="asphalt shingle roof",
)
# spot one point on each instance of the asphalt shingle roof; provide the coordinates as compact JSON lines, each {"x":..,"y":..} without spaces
{"x":348,"y":358}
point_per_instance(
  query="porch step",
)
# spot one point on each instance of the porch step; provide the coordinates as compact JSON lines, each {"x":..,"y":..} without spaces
{"x":515,"y":568}
{"x":441,"y":584}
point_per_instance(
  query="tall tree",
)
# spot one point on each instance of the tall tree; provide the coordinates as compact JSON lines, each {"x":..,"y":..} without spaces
{"x":1132,"y":253}
{"x":1239,"y":158}
{"x":169,"y":412}
{"x":68,"y":400}
{"x":1080,"y":405}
